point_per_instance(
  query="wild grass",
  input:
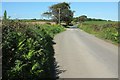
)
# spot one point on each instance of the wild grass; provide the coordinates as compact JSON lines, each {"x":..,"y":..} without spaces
{"x":107,"y":30}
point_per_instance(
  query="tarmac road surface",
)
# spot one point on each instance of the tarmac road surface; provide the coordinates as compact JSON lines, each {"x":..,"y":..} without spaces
{"x":82,"y":55}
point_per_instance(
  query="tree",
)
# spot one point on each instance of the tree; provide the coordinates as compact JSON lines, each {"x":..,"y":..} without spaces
{"x":82,"y":18}
{"x":61,"y":12}
{"x":47,"y":14}
{"x":67,"y":16}
{"x":5,"y":15}
{"x":76,"y":19}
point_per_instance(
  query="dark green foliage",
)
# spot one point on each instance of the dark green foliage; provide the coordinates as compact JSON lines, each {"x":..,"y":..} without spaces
{"x":47,"y":14}
{"x":27,"y":50}
{"x":82,"y":18}
{"x":93,"y":19}
{"x":62,"y":11}
{"x":5,"y":15}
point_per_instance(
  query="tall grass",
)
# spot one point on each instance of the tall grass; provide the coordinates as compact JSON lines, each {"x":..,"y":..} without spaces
{"x":104,"y":29}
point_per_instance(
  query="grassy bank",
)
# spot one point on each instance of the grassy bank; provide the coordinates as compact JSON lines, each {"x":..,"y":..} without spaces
{"x":27,"y":50}
{"x":107,"y":30}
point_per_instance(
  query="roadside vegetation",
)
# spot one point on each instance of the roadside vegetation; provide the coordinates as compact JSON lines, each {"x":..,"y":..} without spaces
{"x":27,"y":50}
{"x":27,"y":44}
{"x":107,"y":30}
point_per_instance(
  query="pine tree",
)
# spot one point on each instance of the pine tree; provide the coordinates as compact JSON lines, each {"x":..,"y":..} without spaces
{"x":5,"y":15}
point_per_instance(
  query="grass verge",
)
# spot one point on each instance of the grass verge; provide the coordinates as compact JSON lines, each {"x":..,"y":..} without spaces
{"x":107,"y":30}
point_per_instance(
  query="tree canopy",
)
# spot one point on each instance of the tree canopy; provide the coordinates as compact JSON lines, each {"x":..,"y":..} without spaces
{"x":61,"y":12}
{"x":47,"y":14}
{"x":82,"y":18}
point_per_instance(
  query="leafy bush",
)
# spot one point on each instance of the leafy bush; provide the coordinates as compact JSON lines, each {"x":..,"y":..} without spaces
{"x":27,"y":50}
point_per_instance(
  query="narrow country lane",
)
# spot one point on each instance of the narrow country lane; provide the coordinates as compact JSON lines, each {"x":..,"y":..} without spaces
{"x":82,"y":55}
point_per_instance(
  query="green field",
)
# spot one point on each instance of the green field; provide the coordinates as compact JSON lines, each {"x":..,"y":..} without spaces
{"x":107,"y":30}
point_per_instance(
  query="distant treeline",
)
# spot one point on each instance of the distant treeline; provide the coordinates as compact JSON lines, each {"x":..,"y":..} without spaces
{"x":93,"y":19}
{"x":31,"y":20}
{"x":77,"y":19}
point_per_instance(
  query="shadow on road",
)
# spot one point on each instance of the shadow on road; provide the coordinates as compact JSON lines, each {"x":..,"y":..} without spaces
{"x":58,"y":71}
{"x":56,"y":68}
